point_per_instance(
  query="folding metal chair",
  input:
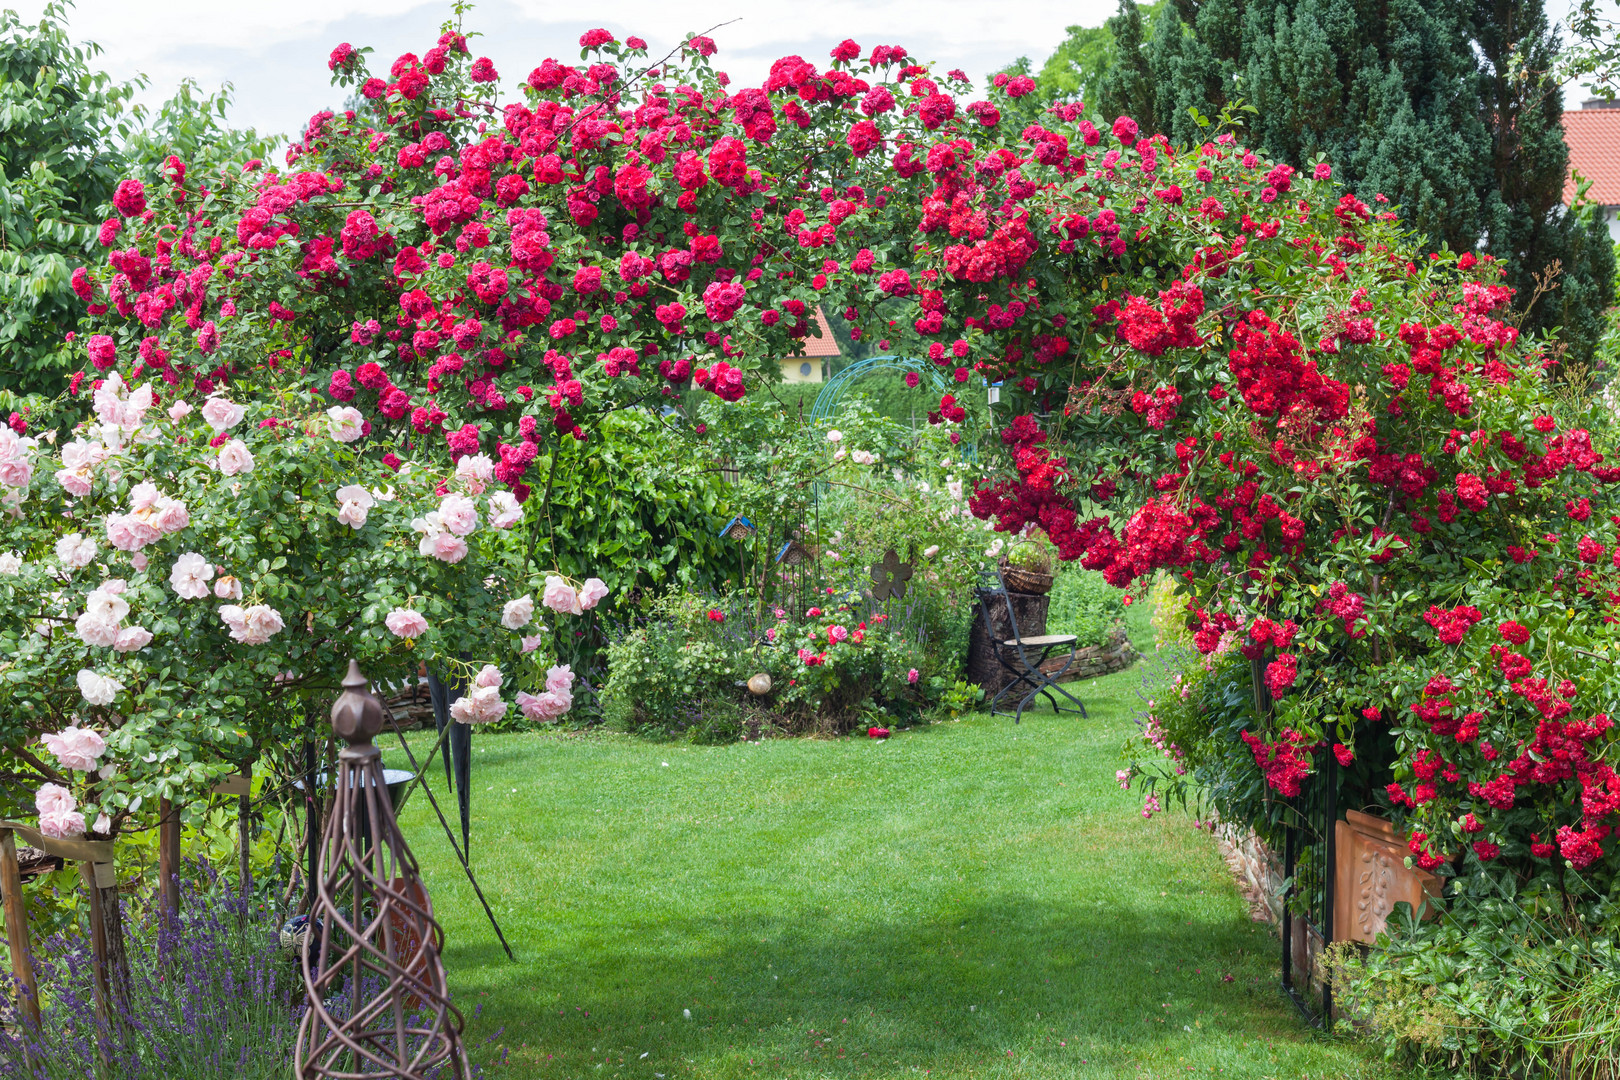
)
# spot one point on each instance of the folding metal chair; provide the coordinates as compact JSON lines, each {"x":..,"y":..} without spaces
{"x":1025,"y":673}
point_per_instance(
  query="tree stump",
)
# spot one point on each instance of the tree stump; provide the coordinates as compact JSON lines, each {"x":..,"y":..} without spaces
{"x":982,"y":666}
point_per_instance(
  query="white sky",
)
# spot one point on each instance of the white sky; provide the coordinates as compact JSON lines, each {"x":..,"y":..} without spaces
{"x":275,"y":52}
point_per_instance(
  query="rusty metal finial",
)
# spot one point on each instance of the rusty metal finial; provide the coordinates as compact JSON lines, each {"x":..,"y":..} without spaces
{"x":357,"y":715}
{"x":373,"y":980}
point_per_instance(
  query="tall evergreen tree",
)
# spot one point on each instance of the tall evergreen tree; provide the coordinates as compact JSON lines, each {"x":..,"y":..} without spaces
{"x":1127,"y":86}
{"x":1445,"y":107}
{"x":1525,"y":220}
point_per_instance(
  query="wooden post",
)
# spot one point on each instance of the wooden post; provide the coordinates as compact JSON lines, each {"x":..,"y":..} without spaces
{"x":169,"y":857}
{"x":22,"y":954}
{"x":107,"y":940}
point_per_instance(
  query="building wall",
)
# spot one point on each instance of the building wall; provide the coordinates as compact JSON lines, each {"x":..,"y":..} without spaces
{"x":803,"y":369}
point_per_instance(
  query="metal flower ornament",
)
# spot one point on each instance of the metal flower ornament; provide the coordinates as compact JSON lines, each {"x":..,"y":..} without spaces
{"x":378,"y":1003}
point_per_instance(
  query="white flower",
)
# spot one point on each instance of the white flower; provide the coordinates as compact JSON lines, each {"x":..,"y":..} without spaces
{"x":94,"y":631}
{"x":344,"y":423}
{"x":930,"y":551}
{"x":10,"y":562}
{"x":75,"y":551}
{"x":106,"y":603}
{"x":234,"y":458}
{"x":228,"y":587}
{"x":190,"y":576}
{"x":835,"y":435}
{"x":504,"y":509}
{"x":118,"y":407}
{"x":518,"y":613}
{"x":221,"y":414}
{"x":862,"y":457}
{"x":98,"y":689}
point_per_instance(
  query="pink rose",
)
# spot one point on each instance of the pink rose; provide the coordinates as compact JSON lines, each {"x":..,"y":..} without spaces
{"x":560,"y":597}
{"x":94,"y":631}
{"x":836,"y":633}
{"x":911,"y":676}
{"x":344,"y":423}
{"x":488,"y":676}
{"x":75,"y":748}
{"x":504,"y":510}
{"x":170,"y":515}
{"x":75,"y":482}
{"x":252,"y":626}
{"x":560,"y":678}
{"x":459,"y":514}
{"x":228,"y":588}
{"x":62,"y":825}
{"x":447,"y":547}
{"x":518,"y":613}
{"x":593,"y":592}
{"x":532,"y":642}
{"x":235,"y":458}
{"x":221,"y":414}
{"x":406,"y":623}
{"x":133,"y":639}
{"x":543,"y":707}
{"x":189,"y":576}
{"x":482,"y":706}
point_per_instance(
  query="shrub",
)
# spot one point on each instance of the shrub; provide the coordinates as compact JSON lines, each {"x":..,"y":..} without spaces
{"x":1085,"y":605}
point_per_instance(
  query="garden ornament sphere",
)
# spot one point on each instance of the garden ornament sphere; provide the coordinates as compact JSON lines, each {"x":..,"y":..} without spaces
{"x":760,"y":684}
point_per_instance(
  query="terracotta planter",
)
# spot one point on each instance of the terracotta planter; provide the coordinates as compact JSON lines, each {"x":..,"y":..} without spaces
{"x":1371,"y":877}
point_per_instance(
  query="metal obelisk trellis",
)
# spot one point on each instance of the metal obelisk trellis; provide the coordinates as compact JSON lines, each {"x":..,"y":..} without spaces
{"x":378,"y":1003}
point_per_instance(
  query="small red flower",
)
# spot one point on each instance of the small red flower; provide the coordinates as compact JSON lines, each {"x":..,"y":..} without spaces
{"x":877,"y":733}
{"x":716,"y":615}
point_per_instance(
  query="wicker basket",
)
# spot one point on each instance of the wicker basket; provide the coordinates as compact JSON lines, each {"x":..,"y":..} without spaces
{"x":1020,"y":580}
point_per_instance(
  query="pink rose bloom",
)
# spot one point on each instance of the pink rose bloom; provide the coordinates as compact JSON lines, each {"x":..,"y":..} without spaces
{"x":143,"y":496}
{"x":482,"y":706}
{"x":518,"y":613}
{"x":836,"y":633}
{"x":252,"y":626}
{"x":532,"y":642}
{"x":911,"y":676}
{"x":62,"y":826}
{"x":559,"y":678}
{"x":543,"y":707}
{"x":133,"y":639}
{"x":138,"y":561}
{"x":459,"y":514}
{"x":179,"y":411}
{"x":95,"y":632}
{"x":344,"y":423}
{"x":76,"y":748}
{"x":170,"y":515}
{"x":593,"y":592}
{"x":560,"y":597}
{"x":54,"y":799}
{"x":488,"y":676}
{"x":235,"y":458}
{"x":406,"y":623}
{"x":474,"y":472}
{"x":504,"y":509}
{"x":189,"y":576}
{"x":354,"y":503}
{"x":805,"y":656}
{"x":222,"y":415}
{"x":447,"y":547}
{"x":126,"y":533}
{"x":228,"y":588}
{"x":107,"y":603}
{"x":75,"y":482}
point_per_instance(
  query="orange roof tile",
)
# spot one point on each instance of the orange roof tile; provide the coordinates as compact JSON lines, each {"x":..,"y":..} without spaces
{"x":821,"y":341}
{"x":1593,"y":137}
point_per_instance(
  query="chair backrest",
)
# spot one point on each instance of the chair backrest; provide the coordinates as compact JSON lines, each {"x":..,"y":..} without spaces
{"x":993,"y":587}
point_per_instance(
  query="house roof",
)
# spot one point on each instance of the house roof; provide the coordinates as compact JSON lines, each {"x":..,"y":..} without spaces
{"x":1593,"y":137}
{"x":821,"y":341}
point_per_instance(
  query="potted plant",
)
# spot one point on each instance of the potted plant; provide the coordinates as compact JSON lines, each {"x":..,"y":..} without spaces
{"x":1027,"y":566}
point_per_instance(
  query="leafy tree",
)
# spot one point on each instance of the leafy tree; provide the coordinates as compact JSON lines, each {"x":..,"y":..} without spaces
{"x":70,"y":133}
{"x":1076,"y":68}
{"x":1126,"y":87}
{"x":59,"y":163}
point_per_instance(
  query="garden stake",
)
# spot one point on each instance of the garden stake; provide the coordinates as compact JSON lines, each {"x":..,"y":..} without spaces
{"x":379,"y":945}
{"x":448,"y":834}
{"x":169,"y":857}
{"x":22,"y":953}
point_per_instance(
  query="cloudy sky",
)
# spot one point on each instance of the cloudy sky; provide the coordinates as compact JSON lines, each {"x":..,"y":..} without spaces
{"x":275,"y":53}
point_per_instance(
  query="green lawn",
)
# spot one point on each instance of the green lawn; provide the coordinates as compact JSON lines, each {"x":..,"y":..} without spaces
{"x":966,"y":899}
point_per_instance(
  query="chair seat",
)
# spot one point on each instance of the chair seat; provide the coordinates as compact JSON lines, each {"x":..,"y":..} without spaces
{"x":1043,"y":639}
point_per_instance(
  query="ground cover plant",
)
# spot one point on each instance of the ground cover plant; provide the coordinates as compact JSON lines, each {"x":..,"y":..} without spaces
{"x":819,"y":909}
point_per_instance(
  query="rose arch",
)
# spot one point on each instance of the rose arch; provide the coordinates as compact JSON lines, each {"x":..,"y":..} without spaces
{"x":319,"y":397}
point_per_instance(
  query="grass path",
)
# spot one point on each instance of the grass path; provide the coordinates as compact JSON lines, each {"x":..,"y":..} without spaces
{"x":970,"y":899}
